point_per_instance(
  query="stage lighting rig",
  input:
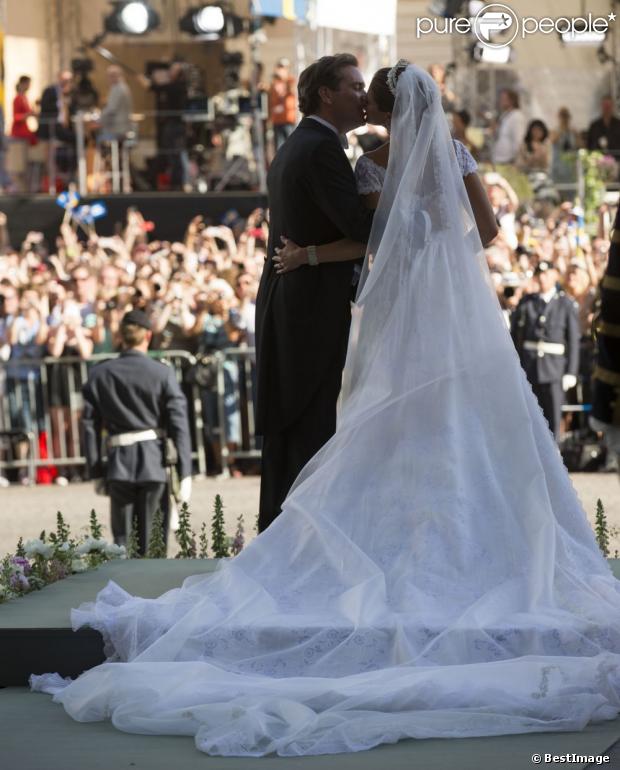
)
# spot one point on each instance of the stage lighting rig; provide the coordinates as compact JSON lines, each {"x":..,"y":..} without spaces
{"x":211,"y":22}
{"x":131,"y":18}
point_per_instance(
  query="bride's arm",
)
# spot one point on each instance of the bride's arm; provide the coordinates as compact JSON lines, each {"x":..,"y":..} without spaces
{"x":371,"y":199}
{"x":481,"y":207}
{"x":291,"y":256}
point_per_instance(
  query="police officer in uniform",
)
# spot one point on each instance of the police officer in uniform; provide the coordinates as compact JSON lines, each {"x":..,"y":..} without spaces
{"x":545,"y":330}
{"x":606,"y":378}
{"x":138,"y":403}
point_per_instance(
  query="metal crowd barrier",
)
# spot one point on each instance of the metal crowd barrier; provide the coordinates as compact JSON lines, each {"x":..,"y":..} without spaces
{"x":236,"y":403}
{"x":41,"y":401}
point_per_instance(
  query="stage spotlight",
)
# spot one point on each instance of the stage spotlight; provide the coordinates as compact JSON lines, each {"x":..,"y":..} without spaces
{"x":132,"y":18}
{"x":211,"y":22}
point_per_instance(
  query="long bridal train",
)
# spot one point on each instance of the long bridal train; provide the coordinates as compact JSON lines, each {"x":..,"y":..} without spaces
{"x":432,"y":573}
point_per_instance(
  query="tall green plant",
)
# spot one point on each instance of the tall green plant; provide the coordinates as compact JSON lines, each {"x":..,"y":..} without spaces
{"x":96,"y":530}
{"x":601,"y":528}
{"x":203,"y":553}
{"x":156,"y":548}
{"x":185,"y":536}
{"x":218,"y":535}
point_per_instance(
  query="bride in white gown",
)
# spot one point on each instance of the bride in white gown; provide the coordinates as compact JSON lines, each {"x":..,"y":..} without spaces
{"x":432,"y":573}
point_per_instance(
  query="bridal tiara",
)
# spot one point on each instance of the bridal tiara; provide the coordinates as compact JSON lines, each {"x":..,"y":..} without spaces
{"x":393,"y":74}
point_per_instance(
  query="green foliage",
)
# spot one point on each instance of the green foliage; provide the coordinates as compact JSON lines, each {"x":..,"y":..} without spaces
{"x":185,"y":536}
{"x":518,"y":180}
{"x":96,"y":530}
{"x":597,"y":169}
{"x":156,"y":548}
{"x":133,"y":546}
{"x":44,"y":560}
{"x":601,"y":529}
{"x":218,"y":535}
{"x":62,"y":532}
{"x":203,"y":553}
{"x":62,"y":529}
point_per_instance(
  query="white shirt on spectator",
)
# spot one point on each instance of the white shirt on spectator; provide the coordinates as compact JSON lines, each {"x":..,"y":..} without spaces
{"x":510,"y":135}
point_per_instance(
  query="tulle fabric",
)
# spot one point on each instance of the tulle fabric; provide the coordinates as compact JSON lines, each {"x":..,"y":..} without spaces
{"x":432,"y":573}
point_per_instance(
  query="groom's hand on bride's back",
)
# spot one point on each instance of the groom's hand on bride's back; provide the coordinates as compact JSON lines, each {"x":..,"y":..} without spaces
{"x":289,"y":257}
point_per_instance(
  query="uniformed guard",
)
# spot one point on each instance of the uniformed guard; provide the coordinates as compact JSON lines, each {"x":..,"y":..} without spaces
{"x":545,"y":330}
{"x":138,"y":404}
{"x":606,"y":377}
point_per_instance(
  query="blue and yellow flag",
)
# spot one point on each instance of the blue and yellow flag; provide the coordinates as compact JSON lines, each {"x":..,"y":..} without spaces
{"x":294,"y":10}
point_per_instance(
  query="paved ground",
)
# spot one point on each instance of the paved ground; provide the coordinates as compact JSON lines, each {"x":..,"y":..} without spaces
{"x":26,"y":511}
{"x":62,"y":744}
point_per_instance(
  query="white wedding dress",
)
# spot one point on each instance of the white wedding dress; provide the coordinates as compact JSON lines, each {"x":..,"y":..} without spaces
{"x":432,"y":573}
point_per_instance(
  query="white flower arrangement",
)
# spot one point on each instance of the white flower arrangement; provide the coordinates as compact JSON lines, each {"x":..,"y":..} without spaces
{"x":115,"y":551}
{"x":49,"y":558}
{"x":36,"y":547}
{"x":79,"y":564}
{"x":91,"y":545}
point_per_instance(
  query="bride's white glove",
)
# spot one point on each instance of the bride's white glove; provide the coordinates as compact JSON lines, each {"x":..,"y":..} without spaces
{"x":568,"y":381}
{"x":185,"y":489}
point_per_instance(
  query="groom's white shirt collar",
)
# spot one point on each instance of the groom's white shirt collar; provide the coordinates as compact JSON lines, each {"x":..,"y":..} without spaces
{"x":343,"y":139}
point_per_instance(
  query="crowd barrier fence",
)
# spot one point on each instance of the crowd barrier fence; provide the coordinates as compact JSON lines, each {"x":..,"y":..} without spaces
{"x":41,"y":404}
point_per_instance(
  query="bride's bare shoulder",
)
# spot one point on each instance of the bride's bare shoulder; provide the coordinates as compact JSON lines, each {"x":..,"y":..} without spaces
{"x":379,"y":155}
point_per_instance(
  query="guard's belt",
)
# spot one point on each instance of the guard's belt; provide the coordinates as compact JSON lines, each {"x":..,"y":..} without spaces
{"x":134,"y":437}
{"x":553,"y":348}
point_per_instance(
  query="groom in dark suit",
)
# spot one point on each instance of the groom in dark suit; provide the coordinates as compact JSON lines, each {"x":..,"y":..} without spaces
{"x":303,"y":316}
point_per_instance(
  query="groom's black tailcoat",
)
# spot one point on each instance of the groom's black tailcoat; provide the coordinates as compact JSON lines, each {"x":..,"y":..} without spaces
{"x":303,"y":317}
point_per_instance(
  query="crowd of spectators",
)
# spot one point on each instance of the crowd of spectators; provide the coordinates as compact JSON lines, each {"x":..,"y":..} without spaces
{"x":66,"y":301}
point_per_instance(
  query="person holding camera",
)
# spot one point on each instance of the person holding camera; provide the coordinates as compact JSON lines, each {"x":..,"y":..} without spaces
{"x":173,"y":322}
{"x":170,"y":89}
{"x":138,"y":402}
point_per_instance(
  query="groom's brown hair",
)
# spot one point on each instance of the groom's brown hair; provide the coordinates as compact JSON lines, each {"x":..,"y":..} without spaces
{"x":326,"y":71}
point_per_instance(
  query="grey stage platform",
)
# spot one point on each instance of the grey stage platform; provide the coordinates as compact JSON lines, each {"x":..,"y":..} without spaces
{"x":36,"y":734}
{"x":35,"y":631}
